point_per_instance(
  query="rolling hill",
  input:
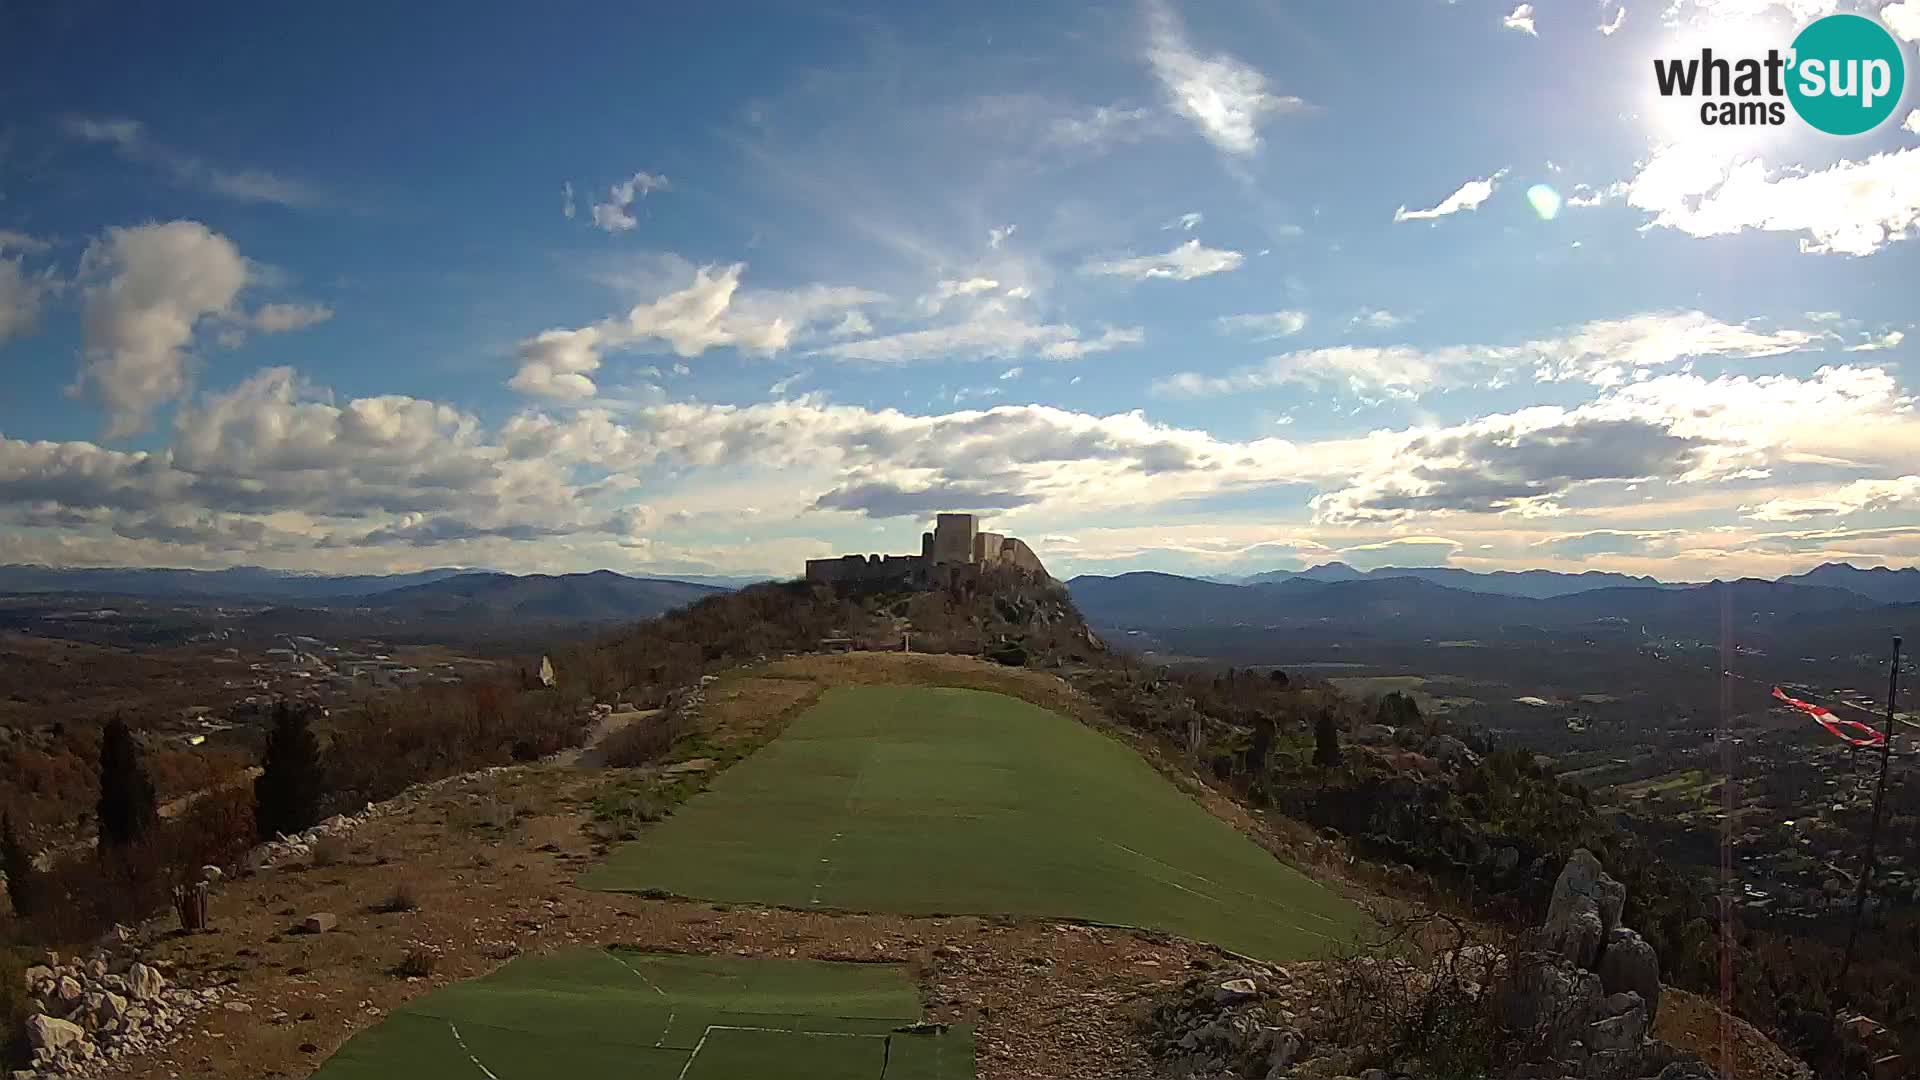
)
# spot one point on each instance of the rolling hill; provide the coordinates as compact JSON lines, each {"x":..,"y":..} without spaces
{"x":1411,"y":607}
{"x":601,"y":596}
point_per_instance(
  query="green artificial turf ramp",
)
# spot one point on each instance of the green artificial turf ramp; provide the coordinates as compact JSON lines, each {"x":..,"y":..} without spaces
{"x":943,"y":801}
{"x":593,"y":1014}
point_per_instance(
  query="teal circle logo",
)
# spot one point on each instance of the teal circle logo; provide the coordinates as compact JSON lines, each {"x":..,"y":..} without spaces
{"x":1847,"y":74}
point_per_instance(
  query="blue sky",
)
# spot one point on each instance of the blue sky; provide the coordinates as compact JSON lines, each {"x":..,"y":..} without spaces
{"x":1209,"y":288}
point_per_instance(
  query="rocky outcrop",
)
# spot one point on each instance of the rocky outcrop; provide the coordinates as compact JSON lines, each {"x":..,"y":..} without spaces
{"x":1247,"y":1024}
{"x":1586,"y":995}
{"x":1628,"y":965}
{"x":86,"y":1012}
{"x":1585,"y":909}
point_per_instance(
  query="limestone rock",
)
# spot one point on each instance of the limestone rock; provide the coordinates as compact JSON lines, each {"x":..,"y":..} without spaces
{"x":48,"y":1035}
{"x":319,"y":922}
{"x":1585,"y":909}
{"x":144,"y":983}
{"x":1234,"y":991}
{"x":1628,"y":964}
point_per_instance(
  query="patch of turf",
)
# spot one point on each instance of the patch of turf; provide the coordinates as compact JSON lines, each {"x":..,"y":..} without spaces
{"x":598,"y":1014}
{"x":941,"y":801}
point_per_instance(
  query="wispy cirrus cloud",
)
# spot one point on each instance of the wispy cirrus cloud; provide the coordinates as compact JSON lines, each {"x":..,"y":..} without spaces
{"x":1604,"y":352}
{"x":1184,"y":263}
{"x":130,"y":139}
{"x":1265,"y":326}
{"x":1222,"y":95}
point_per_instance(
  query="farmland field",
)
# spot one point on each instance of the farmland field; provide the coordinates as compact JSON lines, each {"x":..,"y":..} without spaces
{"x":928,"y":801}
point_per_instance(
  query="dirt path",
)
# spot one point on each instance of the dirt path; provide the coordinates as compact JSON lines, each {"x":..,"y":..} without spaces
{"x":590,"y":753}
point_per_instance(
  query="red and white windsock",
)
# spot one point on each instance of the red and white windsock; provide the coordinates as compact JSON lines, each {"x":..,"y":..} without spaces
{"x":1852,"y":731}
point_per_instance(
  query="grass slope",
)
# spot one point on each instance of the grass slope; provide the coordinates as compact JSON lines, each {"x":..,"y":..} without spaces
{"x":944,"y":801}
{"x":593,"y":1014}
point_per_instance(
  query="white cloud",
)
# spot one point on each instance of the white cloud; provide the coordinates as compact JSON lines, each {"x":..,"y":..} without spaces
{"x":1265,"y":326}
{"x":951,"y":288}
{"x":1073,"y":348}
{"x":1186,"y":222}
{"x":1225,"y":97}
{"x":1603,"y":352}
{"x":1585,"y":195}
{"x":1860,"y":496}
{"x":998,"y":235}
{"x":1903,"y":19}
{"x":1912,"y":122}
{"x":566,"y":199}
{"x":1011,"y":373}
{"x":1098,"y":127}
{"x":1849,"y":208}
{"x":152,"y":284}
{"x":279,"y":318}
{"x":852,"y":324}
{"x":613,"y":215}
{"x":1469,"y":197}
{"x":12,"y":240}
{"x":1673,"y":429}
{"x":1376,"y":319}
{"x":21,"y":295}
{"x":559,"y":364}
{"x":1184,"y":263}
{"x":985,"y":336}
{"x":1612,"y":26}
{"x":1887,"y":340}
{"x":1521,"y":19}
{"x":1711,"y":11}
{"x":713,"y":312}
{"x":130,"y":140}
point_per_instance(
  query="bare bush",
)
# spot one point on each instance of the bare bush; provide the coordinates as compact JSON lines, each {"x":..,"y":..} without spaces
{"x":420,"y":962}
{"x":1427,"y":991}
{"x":404,"y":897}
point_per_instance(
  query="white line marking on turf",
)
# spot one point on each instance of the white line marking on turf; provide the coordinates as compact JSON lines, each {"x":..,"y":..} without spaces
{"x":711,"y":1028}
{"x":615,"y":957}
{"x":463,"y":1046}
{"x":668,"y":1028}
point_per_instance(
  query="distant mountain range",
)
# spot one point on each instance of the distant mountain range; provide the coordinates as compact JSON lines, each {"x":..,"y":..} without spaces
{"x":1877,"y":583}
{"x":602,"y":596}
{"x":1463,"y":604}
{"x":260,"y":585}
{"x":1539,"y":584}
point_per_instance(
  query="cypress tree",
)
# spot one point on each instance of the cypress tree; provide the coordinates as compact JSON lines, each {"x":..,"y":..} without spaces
{"x":1326,"y":741}
{"x":128,"y":810}
{"x":17,"y":861}
{"x":287,"y":793}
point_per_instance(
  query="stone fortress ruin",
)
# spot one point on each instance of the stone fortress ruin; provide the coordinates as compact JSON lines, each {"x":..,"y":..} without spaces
{"x":954,"y":548}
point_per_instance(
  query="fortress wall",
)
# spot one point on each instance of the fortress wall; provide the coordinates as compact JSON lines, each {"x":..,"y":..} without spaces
{"x":986,"y":547}
{"x":864,"y":568}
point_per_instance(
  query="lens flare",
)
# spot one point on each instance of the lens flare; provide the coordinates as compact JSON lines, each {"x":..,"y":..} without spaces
{"x":1545,"y":201}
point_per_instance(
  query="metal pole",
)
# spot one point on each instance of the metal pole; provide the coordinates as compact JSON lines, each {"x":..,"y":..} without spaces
{"x":1873,"y":830}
